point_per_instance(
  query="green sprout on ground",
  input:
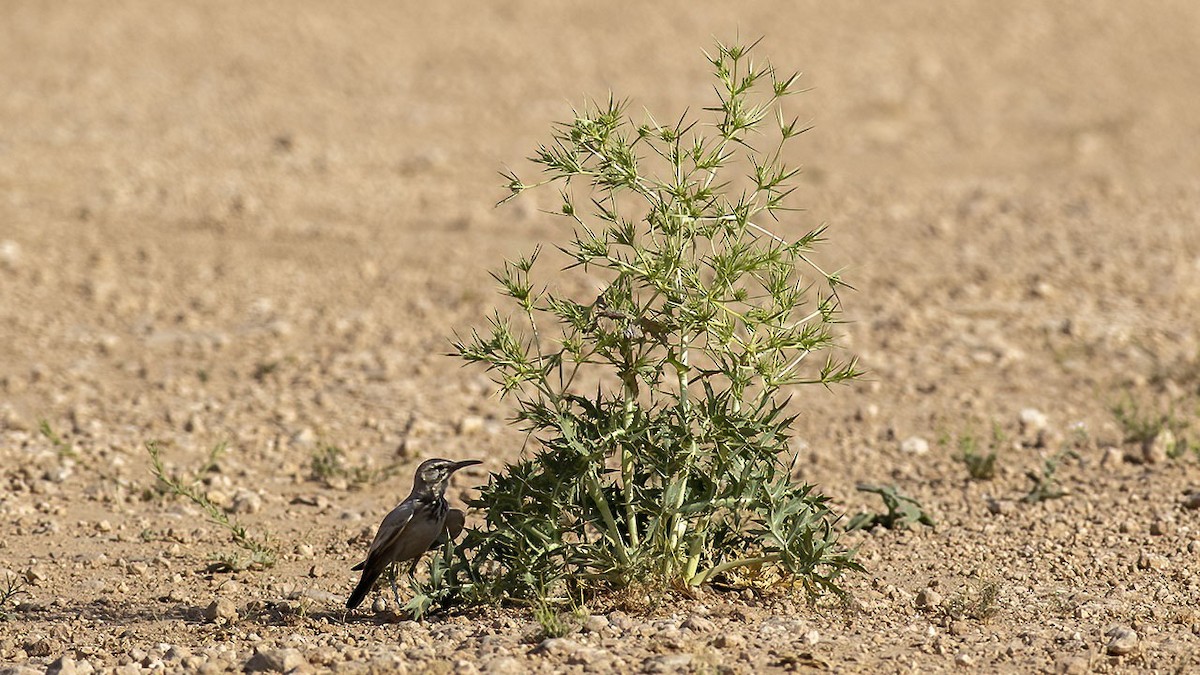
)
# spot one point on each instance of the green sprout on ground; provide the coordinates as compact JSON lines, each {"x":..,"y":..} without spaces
{"x":260,"y":554}
{"x":657,"y":403}
{"x":555,"y":622}
{"x":1045,"y":484}
{"x":1145,"y":427}
{"x":978,"y":602}
{"x":902,"y":511}
{"x":63,"y":447}
{"x":329,"y":466}
{"x":981,"y":464}
{"x":13,"y":586}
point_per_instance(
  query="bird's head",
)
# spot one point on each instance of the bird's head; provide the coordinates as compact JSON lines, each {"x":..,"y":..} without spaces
{"x":434,"y":474}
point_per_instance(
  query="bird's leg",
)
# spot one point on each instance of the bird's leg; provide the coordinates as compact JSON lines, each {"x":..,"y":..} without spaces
{"x":392,"y":578}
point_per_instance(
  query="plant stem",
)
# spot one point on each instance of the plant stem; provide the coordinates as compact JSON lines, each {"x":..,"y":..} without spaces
{"x":731,"y":564}
{"x":610,"y":523}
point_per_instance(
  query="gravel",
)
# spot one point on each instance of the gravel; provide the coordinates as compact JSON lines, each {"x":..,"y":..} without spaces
{"x":260,"y":227}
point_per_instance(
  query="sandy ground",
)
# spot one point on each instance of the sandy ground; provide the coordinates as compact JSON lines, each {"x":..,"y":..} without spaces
{"x":260,"y":224}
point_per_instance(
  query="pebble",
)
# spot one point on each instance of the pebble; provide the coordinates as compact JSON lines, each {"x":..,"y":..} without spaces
{"x":1032,"y":420}
{"x":669,"y":663}
{"x":928,"y":599}
{"x":275,"y":661}
{"x":38,"y":646}
{"x":471,"y":424}
{"x":1159,"y":450}
{"x":699,"y":624}
{"x":221,"y":610}
{"x":65,"y":665}
{"x":1192,"y":500}
{"x":504,"y":665}
{"x":10,"y":253}
{"x":729,"y":641}
{"x":595,"y":623}
{"x":914,"y":445}
{"x":1152,"y":561}
{"x":1121,"y":640}
{"x":1072,"y":665}
{"x":247,"y":501}
{"x":964,"y":660}
{"x":556,"y":646}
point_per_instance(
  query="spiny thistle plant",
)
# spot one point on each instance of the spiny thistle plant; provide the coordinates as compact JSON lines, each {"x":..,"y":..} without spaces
{"x":657,"y":407}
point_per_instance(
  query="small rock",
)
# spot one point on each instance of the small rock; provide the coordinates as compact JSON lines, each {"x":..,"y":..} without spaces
{"x":587,"y":657}
{"x":64,"y":665}
{"x":304,"y":438}
{"x":1121,"y":640}
{"x":379,"y":606}
{"x":729,"y":641}
{"x":1032,"y":420}
{"x":556,"y":646}
{"x":669,"y":663}
{"x":316,"y":571}
{"x":958,"y":628}
{"x":964,"y":660}
{"x":595,"y":623}
{"x":1072,"y":665}
{"x":104,"y":526}
{"x":811,"y":638}
{"x":471,"y":424}
{"x":217,"y":497}
{"x":928,"y":599}
{"x":275,"y":661}
{"x":699,"y":624}
{"x":1112,"y":457}
{"x":38,"y":646}
{"x":1159,"y":449}
{"x":37,"y":576}
{"x":1151,"y":561}
{"x":504,"y":665}
{"x":247,"y":501}
{"x":1159,"y":527}
{"x":10,"y":254}
{"x":914,"y":445}
{"x":221,"y":610}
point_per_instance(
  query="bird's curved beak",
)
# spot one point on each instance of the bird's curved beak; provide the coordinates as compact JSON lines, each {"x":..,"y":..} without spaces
{"x":463,"y":464}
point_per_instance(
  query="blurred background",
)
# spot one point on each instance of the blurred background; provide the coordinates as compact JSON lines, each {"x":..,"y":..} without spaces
{"x":264,"y":221}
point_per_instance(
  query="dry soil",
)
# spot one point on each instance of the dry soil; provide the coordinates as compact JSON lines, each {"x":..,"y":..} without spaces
{"x":259,"y":224}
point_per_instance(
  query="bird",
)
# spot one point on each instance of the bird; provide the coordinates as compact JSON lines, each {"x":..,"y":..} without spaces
{"x":418,"y":523}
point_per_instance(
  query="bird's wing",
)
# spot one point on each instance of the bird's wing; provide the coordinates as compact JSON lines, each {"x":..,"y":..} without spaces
{"x":455,"y":520}
{"x":390,"y":530}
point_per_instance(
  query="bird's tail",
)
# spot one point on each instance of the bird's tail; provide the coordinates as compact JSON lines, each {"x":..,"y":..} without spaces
{"x":363,"y":587}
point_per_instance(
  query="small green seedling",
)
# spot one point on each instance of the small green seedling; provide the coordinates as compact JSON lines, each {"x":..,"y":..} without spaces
{"x":980,"y":465}
{"x":1045,"y":483}
{"x":261,"y":554}
{"x":61,"y":446}
{"x":329,"y":465}
{"x":902,"y":511}
{"x":13,"y":586}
